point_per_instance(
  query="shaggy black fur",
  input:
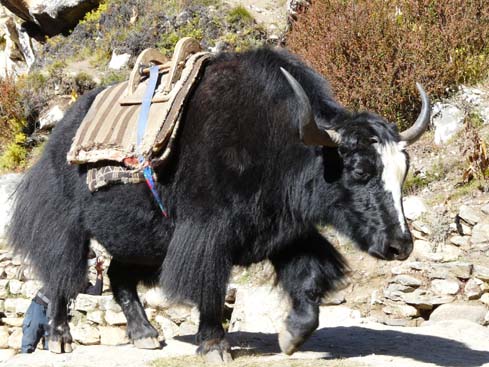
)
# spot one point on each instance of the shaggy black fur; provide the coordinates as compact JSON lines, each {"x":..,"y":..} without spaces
{"x":241,"y":188}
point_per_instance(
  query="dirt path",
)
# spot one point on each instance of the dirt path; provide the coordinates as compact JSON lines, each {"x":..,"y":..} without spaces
{"x":344,"y":342}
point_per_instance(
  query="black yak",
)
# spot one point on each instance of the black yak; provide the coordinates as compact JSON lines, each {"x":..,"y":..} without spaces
{"x":263,"y":157}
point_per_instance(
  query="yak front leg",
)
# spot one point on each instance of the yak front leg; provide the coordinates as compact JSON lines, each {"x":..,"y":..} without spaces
{"x":306,"y":269}
{"x":124,"y":279}
{"x":196,"y":269}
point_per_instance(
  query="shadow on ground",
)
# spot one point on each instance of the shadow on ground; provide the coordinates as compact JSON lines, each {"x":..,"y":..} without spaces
{"x":354,"y":341}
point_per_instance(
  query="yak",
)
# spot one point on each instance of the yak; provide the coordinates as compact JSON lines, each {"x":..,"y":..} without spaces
{"x":265,"y":155}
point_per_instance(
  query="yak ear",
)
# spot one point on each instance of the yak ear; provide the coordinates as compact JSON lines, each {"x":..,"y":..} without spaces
{"x":309,"y":131}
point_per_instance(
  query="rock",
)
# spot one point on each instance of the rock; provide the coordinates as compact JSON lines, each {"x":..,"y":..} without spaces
{"x":111,"y":335}
{"x":333,"y":299}
{"x":480,"y":233}
{"x":425,"y":300}
{"x":4,"y":334}
{"x":8,"y":184}
{"x":456,"y":311}
{"x":406,"y":280}
{"x":456,"y":269}
{"x":259,"y":309}
{"x":17,"y":55}
{"x":485,"y":209}
{"x":54,"y":113}
{"x":450,"y":253}
{"x":445,"y":286}
{"x":481,"y":272}
{"x":413,"y":206}
{"x":421,"y":227}
{"x":150,"y":313}
{"x":16,"y":306}
{"x":15,"y":286}
{"x":30,"y":288}
{"x":485,"y":298}
{"x":447,"y":120}
{"x":469,"y":214}
{"x":13,"y":321}
{"x":423,"y":250}
{"x":170,"y":329}
{"x":117,"y":62}
{"x":51,"y":17}
{"x":461,"y":228}
{"x":400,"y":310}
{"x":86,"y":302}
{"x":473,"y":289}
{"x":86,"y":334}
{"x":15,"y":339}
{"x":179,"y":313}
{"x":107,"y":303}
{"x":187,"y":328}
{"x":115,"y":318}
{"x":96,"y":317}
{"x":462,"y":241}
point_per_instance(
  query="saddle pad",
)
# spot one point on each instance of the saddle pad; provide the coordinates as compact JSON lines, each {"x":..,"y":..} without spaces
{"x":109,"y":129}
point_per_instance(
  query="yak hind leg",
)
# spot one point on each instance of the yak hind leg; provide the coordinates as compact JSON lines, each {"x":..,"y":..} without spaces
{"x":59,"y":336}
{"x":124,"y":279}
{"x":307,"y":269}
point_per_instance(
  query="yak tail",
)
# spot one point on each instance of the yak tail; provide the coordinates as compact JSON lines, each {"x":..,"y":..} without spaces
{"x":47,"y":234}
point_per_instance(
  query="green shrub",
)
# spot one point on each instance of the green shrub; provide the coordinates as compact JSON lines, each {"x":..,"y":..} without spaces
{"x":373,"y":51}
{"x":239,"y":15}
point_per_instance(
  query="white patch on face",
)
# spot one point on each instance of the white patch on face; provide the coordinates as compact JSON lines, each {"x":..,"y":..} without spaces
{"x":395,"y":167}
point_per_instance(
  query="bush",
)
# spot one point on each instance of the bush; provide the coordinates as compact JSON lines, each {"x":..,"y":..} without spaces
{"x":12,"y":124}
{"x":373,"y":51}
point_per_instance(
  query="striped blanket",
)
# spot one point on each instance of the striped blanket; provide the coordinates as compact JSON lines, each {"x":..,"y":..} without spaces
{"x":109,"y":129}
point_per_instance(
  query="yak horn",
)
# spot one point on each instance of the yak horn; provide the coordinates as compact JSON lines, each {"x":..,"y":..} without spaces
{"x":414,"y":132}
{"x":309,"y":132}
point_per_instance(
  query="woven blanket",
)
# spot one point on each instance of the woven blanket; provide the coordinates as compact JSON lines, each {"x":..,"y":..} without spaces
{"x":108,"y":131}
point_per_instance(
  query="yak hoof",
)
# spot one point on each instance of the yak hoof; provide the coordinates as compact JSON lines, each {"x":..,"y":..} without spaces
{"x":218,"y":356}
{"x":55,"y":346}
{"x":147,"y":343}
{"x":288,"y":344}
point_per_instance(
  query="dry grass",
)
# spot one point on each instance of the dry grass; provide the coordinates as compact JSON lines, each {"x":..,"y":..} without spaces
{"x":254,"y":362}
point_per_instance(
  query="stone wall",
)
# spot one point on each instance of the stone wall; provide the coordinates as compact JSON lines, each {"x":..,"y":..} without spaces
{"x":95,"y":319}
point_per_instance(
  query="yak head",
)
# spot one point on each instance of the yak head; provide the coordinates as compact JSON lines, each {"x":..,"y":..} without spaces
{"x":365,"y":165}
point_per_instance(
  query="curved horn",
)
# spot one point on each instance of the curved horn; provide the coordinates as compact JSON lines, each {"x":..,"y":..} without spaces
{"x":310,"y":133}
{"x":414,"y":132}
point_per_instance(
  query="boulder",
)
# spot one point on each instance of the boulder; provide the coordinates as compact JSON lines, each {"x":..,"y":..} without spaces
{"x":8,"y":184}
{"x":15,"y":339}
{"x":413,"y":206}
{"x":169,"y":328}
{"x":259,"y":309}
{"x":86,"y":334}
{"x":4,"y":334}
{"x":54,"y":112}
{"x":110,"y":335}
{"x":447,"y":121}
{"x":455,"y":311}
{"x":50,"y":17}
{"x":480,"y":233}
{"x":469,"y":214}
{"x":96,"y":317}
{"x":473,"y":288}
{"x":115,"y":318}
{"x":117,"y":62}
{"x":445,"y":286}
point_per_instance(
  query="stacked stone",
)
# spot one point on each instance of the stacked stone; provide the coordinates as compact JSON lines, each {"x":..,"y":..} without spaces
{"x":439,"y":286}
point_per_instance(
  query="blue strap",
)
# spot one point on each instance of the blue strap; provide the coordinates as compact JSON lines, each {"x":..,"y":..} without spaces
{"x":142,"y":123}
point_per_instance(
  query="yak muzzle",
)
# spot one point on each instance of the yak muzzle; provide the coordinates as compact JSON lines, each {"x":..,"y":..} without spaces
{"x":398,"y":249}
